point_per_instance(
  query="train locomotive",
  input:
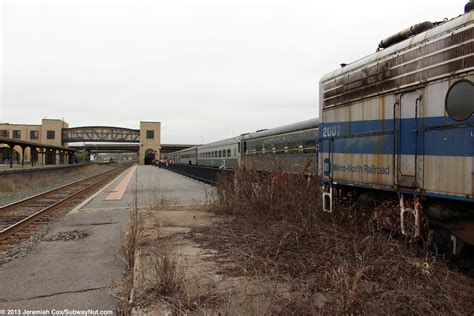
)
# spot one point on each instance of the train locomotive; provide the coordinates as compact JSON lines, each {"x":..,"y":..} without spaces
{"x":401,"y":120}
{"x":396,"y":125}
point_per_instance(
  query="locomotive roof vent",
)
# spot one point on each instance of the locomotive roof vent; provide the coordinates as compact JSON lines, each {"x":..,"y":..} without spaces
{"x":406,"y":33}
{"x":469,"y":6}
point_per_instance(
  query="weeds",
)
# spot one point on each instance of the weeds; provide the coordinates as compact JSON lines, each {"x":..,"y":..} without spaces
{"x":279,"y":231}
{"x":169,"y":275}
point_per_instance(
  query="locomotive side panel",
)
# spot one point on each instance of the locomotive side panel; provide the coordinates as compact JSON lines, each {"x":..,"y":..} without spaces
{"x":446,"y":145}
{"x":358,"y":142}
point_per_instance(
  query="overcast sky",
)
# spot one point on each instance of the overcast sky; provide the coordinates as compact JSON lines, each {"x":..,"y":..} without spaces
{"x":206,"y":69}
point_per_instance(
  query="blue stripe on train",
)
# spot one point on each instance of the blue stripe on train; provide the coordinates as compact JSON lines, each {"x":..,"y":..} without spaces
{"x":437,"y":136}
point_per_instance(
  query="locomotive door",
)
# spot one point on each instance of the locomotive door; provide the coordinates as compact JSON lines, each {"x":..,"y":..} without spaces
{"x":407,"y":138}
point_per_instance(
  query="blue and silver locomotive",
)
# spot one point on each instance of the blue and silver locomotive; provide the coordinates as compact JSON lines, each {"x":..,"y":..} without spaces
{"x":401,"y":121}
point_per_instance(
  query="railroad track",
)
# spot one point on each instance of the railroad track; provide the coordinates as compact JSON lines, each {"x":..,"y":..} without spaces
{"x":18,"y":216}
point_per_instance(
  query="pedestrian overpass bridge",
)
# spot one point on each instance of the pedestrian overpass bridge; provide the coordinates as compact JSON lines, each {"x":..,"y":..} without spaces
{"x":145,"y":141}
{"x":100,"y":134}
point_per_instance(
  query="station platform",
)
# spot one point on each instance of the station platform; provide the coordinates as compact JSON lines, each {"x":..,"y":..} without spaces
{"x":79,"y":273}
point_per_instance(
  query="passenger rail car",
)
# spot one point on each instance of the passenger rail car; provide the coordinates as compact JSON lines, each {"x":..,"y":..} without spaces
{"x":221,"y":154}
{"x":401,"y":120}
{"x":186,"y":156}
{"x":291,"y":148}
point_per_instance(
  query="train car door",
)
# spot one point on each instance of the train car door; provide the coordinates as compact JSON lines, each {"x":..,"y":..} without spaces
{"x":407,"y":138}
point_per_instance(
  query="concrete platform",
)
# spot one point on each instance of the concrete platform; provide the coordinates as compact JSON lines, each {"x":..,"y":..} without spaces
{"x":78,"y":274}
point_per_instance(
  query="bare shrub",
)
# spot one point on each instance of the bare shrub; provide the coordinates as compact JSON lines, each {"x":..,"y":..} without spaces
{"x":169,"y":273}
{"x":333,"y":265}
{"x":169,"y":283}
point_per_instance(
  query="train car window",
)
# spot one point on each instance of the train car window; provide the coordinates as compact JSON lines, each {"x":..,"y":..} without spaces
{"x":309,"y":147}
{"x":279,"y":148}
{"x":268,"y":148}
{"x":292,"y":148}
{"x":459,"y":101}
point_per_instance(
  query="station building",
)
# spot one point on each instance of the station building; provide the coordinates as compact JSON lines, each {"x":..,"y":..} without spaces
{"x":48,"y":133}
{"x":57,"y":133}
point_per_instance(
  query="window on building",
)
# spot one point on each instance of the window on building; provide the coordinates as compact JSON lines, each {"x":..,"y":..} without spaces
{"x":33,"y":134}
{"x":16,"y":134}
{"x":150,"y":134}
{"x":228,"y":153}
{"x":4,"y":133}
{"x":50,"y":134}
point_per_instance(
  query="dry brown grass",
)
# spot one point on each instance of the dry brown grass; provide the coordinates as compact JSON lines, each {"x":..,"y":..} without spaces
{"x":172,"y":287}
{"x":17,"y":183}
{"x":123,"y":289}
{"x":333,"y":266}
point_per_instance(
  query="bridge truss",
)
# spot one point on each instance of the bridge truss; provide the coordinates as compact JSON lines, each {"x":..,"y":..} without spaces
{"x":100,"y":134}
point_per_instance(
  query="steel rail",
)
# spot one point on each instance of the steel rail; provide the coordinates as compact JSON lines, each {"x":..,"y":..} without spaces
{"x":11,"y":230}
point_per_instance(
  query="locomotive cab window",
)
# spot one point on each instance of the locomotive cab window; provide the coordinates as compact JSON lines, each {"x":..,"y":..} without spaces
{"x":459,"y":101}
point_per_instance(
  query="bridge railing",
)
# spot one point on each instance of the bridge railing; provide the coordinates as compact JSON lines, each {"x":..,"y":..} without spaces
{"x":204,"y":174}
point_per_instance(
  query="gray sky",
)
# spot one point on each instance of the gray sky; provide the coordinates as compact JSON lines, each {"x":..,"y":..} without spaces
{"x":206,"y":69}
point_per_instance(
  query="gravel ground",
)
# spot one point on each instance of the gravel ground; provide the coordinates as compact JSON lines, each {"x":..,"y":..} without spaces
{"x":47,"y":182}
{"x":25,"y":246}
